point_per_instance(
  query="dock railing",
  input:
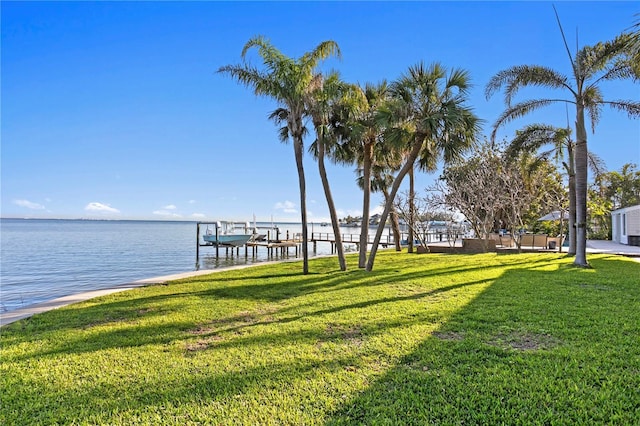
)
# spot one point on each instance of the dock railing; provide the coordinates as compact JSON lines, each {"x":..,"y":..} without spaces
{"x":433,"y":236}
{"x":348,"y":238}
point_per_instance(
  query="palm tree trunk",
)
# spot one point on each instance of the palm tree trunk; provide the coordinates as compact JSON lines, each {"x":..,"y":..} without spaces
{"x":395,"y":223}
{"x":412,"y":195}
{"x":561,"y":233}
{"x":572,"y":212}
{"x":332,"y":208}
{"x":411,"y":158}
{"x":366,"y":203}
{"x":298,"y":152}
{"x":395,"y":228}
{"x":581,"y":189}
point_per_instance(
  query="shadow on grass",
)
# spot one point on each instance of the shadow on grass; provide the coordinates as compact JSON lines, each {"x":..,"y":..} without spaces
{"x":140,"y":321}
{"x":244,"y":285}
{"x":536,"y":343}
{"x":156,"y":394}
{"x":137,"y":318}
{"x":549,"y":347}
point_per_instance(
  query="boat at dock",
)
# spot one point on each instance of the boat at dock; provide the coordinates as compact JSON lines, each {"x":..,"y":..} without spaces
{"x":224,"y":235}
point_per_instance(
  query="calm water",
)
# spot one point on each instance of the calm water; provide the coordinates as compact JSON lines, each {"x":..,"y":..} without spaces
{"x":45,"y":259}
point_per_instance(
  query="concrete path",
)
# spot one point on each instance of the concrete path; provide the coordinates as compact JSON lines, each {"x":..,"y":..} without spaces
{"x":600,"y":246}
{"x":593,"y":246}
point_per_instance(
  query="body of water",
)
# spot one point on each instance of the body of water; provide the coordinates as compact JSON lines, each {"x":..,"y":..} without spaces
{"x":45,"y":259}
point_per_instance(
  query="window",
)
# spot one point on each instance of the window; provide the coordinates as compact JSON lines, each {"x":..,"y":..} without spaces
{"x":624,"y":224}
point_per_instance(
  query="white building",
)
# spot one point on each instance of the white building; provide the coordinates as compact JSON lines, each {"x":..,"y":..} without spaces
{"x":625,"y":225}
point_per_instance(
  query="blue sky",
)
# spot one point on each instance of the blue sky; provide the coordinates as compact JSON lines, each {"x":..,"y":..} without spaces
{"x":115,"y":110}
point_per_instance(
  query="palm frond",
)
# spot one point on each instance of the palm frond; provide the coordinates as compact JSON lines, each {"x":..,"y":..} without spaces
{"x":324,"y":50}
{"x":592,"y":99}
{"x":521,"y":109}
{"x":535,"y":136}
{"x":634,"y":40}
{"x":596,"y":163}
{"x":622,"y":69}
{"x":262,"y":83}
{"x":460,"y":79}
{"x":596,"y":58}
{"x":279,"y":115}
{"x":632,"y":108}
{"x":270,"y":55}
{"x":515,"y":78}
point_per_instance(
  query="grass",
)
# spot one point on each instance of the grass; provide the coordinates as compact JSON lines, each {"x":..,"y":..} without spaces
{"x":450,"y":339}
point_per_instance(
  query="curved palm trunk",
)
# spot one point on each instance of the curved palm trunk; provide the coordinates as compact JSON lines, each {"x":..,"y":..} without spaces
{"x":331,"y":205}
{"x":366,"y":203}
{"x":395,"y":223}
{"x":298,"y":152}
{"x":581,"y":189}
{"x":415,"y":150}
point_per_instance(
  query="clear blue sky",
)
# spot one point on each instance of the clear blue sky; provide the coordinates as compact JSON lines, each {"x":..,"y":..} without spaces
{"x":115,"y":110}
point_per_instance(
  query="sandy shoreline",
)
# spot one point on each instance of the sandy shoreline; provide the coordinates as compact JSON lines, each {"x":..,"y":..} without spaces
{"x":26,"y":312}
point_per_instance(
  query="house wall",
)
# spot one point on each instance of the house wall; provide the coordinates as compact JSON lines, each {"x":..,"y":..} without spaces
{"x":626,"y":223}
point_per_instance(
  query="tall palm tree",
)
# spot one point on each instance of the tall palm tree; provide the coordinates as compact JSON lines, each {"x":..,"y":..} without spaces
{"x":362,"y":143}
{"x":429,"y":119}
{"x":331,"y":97}
{"x":288,"y":81}
{"x":590,"y":67}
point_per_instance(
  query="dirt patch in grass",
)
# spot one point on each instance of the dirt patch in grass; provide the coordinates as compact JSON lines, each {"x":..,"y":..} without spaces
{"x":199,"y":331}
{"x":524,"y":341}
{"x":200,"y":345}
{"x":352,"y":335}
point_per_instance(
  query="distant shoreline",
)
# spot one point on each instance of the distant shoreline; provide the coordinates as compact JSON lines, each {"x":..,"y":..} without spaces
{"x":151,"y":220}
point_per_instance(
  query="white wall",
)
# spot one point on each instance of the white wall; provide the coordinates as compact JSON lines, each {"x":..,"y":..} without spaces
{"x":625,"y":222}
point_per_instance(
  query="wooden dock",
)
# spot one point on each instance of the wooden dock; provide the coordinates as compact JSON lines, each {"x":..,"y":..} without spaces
{"x":329,"y":237}
{"x":385,"y":241}
{"x":274,"y":247}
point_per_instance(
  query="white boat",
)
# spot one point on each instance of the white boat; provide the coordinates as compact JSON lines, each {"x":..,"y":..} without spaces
{"x":224,"y":235}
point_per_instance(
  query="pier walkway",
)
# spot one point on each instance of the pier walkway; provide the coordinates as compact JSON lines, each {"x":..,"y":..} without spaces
{"x":329,"y":237}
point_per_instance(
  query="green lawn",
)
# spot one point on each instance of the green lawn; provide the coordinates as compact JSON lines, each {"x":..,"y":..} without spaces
{"x":450,"y":339}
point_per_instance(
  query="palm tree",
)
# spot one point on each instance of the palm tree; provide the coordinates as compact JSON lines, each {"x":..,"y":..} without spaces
{"x":364,"y":140}
{"x":329,"y":98}
{"x":428,"y":120}
{"x":591,"y":66}
{"x":289,"y":82}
